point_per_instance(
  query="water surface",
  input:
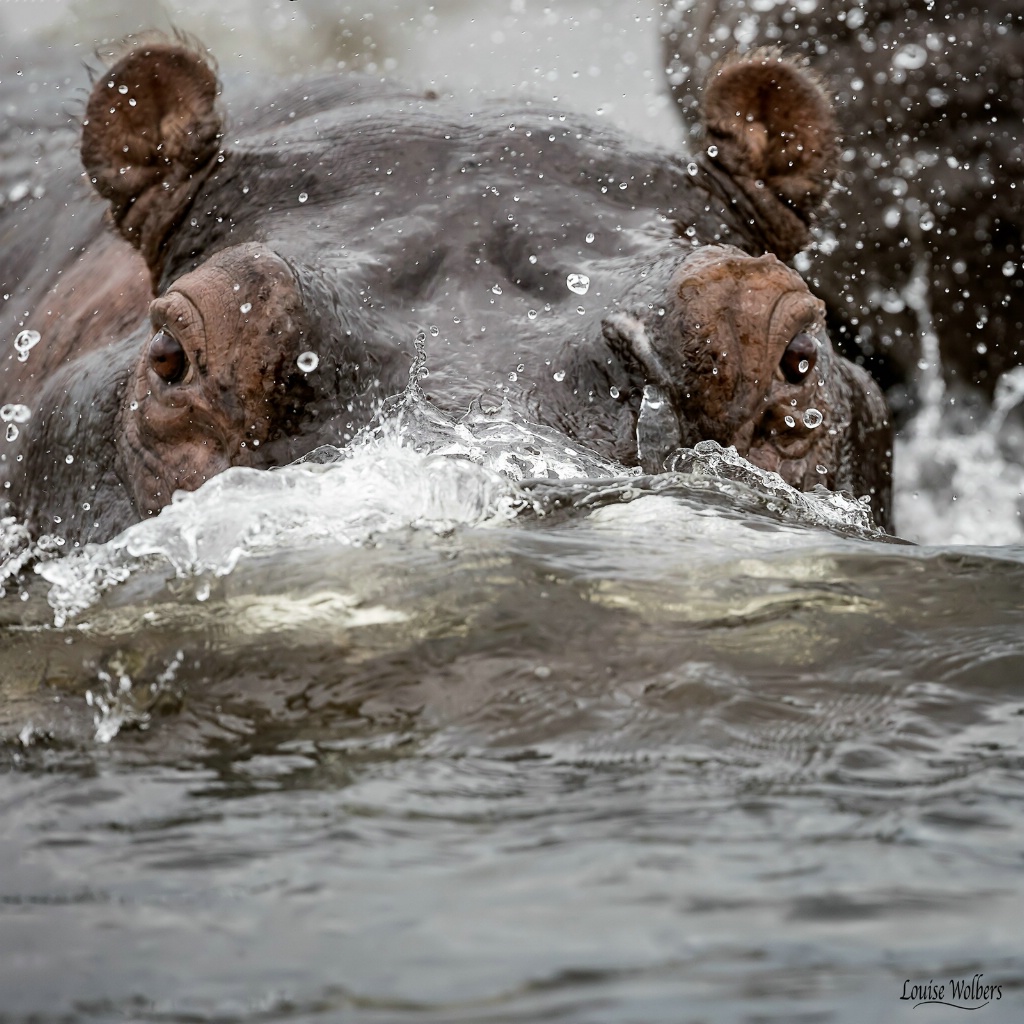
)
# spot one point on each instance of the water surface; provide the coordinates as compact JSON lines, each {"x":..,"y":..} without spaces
{"x":449,"y":746}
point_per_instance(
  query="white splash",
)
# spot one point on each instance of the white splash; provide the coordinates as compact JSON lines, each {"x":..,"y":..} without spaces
{"x":414,"y":469}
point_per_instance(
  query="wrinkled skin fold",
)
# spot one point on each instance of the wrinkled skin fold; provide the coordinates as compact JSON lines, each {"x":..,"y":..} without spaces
{"x":277,"y":262}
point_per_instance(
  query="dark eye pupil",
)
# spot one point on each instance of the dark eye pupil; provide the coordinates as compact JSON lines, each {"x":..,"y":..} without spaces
{"x":799,"y":358}
{"x":167,"y":357}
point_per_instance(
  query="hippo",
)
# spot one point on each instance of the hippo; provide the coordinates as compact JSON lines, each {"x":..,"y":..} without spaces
{"x":265,"y":268}
{"x":930,"y":101}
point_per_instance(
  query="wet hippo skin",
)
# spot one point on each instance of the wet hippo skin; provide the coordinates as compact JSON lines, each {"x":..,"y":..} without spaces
{"x":277,"y":262}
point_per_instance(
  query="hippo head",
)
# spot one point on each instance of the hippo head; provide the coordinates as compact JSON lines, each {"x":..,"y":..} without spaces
{"x":293,"y":262}
{"x":250,"y":328}
{"x":219,"y":376}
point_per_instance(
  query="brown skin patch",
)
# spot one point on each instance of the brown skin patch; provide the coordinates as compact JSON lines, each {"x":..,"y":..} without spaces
{"x":96,"y":300}
{"x":210,"y":387}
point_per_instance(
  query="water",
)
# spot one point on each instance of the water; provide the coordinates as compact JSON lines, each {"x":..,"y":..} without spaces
{"x":467,"y":724}
{"x":462,"y":723}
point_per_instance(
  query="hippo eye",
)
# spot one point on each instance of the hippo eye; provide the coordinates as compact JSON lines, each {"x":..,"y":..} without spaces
{"x":799,"y":358}
{"x":167,"y":357}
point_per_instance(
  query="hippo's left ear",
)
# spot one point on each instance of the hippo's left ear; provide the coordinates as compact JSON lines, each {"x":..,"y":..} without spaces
{"x":151,"y":127}
{"x":770,"y":124}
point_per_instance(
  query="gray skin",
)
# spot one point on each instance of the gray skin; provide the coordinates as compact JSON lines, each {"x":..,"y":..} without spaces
{"x":344,"y":217}
{"x":930,"y":105}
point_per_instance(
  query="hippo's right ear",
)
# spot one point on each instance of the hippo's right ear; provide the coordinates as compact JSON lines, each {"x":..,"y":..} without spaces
{"x":769,"y":123}
{"x":151,"y":125}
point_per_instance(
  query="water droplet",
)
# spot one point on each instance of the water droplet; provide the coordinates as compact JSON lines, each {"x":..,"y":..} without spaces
{"x":434,"y":331}
{"x":235,"y":287}
{"x":12,"y":432}
{"x":623,"y":185}
{"x":580,"y":310}
{"x":559,"y":375}
{"x":812,"y":418}
{"x":712,"y":151}
{"x":1009,"y":269}
{"x":533,"y":259}
{"x":308,"y":362}
{"x":133,"y":405}
{"x":496,"y":289}
{"x":790,"y":422}
{"x":531,"y":314}
{"x":122,"y":89}
{"x":691,"y":168}
{"x":86,"y":506}
{"x":578,"y":283}
{"x":15,"y":413}
{"x":821,"y":469}
{"x":613,"y":391}
{"x":69,"y":459}
{"x":590,"y":237}
{"x":513,"y":376}
{"x":521,"y":367}
{"x":202,"y":590}
{"x":57,"y":519}
{"x":303,"y":196}
{"x":24,"y":343}
{"x":803,"y":366}
{"x":245,"y":307}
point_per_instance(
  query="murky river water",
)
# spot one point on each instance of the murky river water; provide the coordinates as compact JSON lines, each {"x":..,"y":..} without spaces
{"x":406,"y":734}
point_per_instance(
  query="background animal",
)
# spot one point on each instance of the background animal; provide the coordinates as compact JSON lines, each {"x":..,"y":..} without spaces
{"x":926,"y":236}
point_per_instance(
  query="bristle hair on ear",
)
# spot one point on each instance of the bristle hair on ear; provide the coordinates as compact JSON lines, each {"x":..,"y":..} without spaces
{"x":109,"y":52}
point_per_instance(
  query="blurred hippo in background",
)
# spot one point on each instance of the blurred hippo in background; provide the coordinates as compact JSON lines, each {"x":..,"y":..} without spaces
{"x":930,"y":221}
{"x":264,"y":274}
